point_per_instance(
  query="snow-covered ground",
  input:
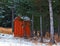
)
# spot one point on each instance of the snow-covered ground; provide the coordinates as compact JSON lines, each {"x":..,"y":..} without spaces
{"x":10,"y":40}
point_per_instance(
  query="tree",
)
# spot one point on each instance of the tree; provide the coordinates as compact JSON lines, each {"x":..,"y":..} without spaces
{"x":51,"y":21}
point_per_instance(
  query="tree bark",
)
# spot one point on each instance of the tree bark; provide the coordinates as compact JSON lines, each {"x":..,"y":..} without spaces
{"x":41,"y":28}
{"x":12,"y":19}
{"x":32,"y":26}
{"x":59,"y":25}
{"x":51,"y":21}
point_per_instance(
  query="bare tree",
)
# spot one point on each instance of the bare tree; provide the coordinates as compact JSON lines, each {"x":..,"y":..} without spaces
{"x":41,"y":28}
{"x":51,"y":21}
{"x":32,"y":25}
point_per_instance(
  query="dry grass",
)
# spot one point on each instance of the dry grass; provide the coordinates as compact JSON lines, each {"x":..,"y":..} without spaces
{"x":47,"y":35}
{"x":57,"y":38}
{"x":6,"y":30}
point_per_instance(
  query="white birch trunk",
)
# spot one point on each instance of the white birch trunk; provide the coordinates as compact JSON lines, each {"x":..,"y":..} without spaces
{"x":51,"y":21}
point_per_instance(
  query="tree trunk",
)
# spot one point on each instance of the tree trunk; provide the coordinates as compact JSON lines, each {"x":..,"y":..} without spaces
{"x":59,"y":25}
{"x":32,"y":26}
{"x":41,"y":28}
{"x":51,"y":21}
{"x":12,"y":19}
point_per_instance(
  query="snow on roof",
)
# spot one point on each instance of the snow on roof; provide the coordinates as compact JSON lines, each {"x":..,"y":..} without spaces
{"x":26,"y":18}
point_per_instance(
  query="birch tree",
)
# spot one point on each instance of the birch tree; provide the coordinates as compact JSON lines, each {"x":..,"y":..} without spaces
{"x":51,"y":21}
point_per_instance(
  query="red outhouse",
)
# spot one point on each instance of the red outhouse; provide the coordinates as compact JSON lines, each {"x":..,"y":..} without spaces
{"x":27,"y":28}
{"x":21,"y":27}
{"x":18,"y":27}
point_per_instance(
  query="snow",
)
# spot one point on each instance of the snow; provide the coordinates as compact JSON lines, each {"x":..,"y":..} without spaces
{"x":10,"y":40}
